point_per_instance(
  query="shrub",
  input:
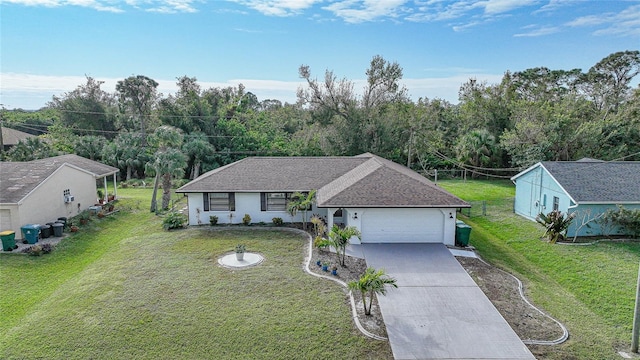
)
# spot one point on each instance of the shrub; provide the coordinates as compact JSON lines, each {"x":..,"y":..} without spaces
{"x":174,"y":220}
{"x":213,"y":220}
{"x":240,"y":248}
{"x":35,"y":250}
{"x":277,"y":221}
{"x":556,"y":224}
{"x":321,"y":243}
{"x":246,"y":219}
{"x":626,"y":220}
{"x":47,"y":248}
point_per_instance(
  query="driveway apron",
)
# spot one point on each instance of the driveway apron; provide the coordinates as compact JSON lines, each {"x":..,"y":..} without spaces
{"x":438,"y":311}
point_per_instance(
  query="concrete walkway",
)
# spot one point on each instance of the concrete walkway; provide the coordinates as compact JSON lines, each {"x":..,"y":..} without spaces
{"x":438,"y":311}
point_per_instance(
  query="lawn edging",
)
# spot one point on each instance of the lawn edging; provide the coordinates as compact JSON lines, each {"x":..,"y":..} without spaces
{"x":354,"y":312}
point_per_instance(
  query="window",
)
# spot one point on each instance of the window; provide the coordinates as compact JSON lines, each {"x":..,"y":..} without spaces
{"x":219,"y":202}
{"x":556,"y":203}
{"x":277,"y":201}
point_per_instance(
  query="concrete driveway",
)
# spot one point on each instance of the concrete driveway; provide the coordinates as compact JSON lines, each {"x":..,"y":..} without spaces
{"x":438,"y":311}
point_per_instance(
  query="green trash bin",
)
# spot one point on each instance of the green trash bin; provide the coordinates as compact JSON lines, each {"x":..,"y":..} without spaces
{"x":8,"y":240}
{"x":463,"y":231}
{"x":31,"y":232}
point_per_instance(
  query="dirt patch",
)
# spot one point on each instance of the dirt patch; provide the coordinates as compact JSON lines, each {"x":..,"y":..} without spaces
{"x":502,"y":290}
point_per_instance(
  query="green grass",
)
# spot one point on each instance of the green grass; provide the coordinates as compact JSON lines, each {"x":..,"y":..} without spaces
{"x":122,"y":288}
{"x":590,"y":288}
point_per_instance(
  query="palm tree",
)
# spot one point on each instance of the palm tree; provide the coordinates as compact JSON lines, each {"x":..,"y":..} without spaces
{"x":167,"y":165}
{"x":198,"y":148}
{"x":168,"y":161}
{"x":476,"y":148}
{"x":340,"y":239}
{"x":301,"y":202}
{"x":372,"y":282}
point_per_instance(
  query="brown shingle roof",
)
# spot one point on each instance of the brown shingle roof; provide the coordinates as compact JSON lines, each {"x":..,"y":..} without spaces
{"x":365,"y":180}
{"x":18,"y":179}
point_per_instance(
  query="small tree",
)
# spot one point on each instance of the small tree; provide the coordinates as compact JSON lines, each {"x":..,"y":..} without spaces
{"x":301,"y":202}
{"x":340,"y":239}
{"x":372,"y":282}
{"x":626,"y":221}
{"x":556,"y":224}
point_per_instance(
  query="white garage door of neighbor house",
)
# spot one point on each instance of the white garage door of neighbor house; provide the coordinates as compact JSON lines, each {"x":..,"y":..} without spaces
{"x":5,"y":219}
{"x":402,"y":226}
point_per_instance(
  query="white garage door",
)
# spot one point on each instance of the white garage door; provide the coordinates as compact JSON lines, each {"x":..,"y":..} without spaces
{"x":5,"y":219}
{"x":402,"y":226}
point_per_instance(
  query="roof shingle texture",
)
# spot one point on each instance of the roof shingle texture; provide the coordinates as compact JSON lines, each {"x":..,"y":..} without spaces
{"x":365,"y":180}
{"x":599,"y":182}
{"x":18,"y":179}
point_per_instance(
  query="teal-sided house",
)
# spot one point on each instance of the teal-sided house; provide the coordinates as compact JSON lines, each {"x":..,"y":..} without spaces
{"x":585,"y":187}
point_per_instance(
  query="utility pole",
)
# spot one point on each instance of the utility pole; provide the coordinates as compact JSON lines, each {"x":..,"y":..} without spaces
{"x":1,"y":139}
{"x":636,"y":318}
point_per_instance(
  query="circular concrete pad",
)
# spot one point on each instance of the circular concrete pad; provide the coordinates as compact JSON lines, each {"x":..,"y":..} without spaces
{"x":250,"y":259}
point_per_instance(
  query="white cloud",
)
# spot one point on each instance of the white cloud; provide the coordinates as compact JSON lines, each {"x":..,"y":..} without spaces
{"x":278,"y":7}
{"x":492,"y":7}
{"x":534,"y":31}
{"x":357,"y":11}
{"x":623,"y":23}
{"x":161,"y":6}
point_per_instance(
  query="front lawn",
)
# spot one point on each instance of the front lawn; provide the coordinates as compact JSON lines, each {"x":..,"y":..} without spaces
{"x":590,"y":288}
{"x":123,"y":288}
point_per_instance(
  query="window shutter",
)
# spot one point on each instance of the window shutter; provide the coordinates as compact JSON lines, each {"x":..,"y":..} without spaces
{"x":205,"y":201}
{"x":232,"y":201}
{"x":263,"y":202}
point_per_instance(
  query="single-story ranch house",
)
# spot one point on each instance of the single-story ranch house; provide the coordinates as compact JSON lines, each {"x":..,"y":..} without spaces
{"x":386,"y":201}
{"x":586,"y":187}
{"x":41,"y":191}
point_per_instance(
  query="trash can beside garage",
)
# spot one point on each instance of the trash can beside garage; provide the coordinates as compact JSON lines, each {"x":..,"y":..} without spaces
{"x":57,"y":229}
{"x":45,"y":231}
{"x":8,"y":238}
{"x":463,"y":232}
{"x":31,"y":233}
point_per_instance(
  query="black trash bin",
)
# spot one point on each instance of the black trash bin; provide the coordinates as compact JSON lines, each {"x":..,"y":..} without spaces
{"x":63,"y":219}
{"x":57,"y":229}
{"x":45,"y":231}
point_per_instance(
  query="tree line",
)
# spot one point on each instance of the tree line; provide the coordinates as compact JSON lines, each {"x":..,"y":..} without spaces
{"x":531,"y":115}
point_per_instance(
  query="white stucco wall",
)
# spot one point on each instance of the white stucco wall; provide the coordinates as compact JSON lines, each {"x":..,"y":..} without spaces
{"x":246,"y":203}
{"x":46,"y":203}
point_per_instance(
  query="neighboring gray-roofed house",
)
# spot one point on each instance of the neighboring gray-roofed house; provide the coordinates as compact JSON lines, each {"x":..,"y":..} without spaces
{"x":587,"y":187}
{"x":386,"y":201}
{"x":11,"y":137}
{"x":40,"y":191}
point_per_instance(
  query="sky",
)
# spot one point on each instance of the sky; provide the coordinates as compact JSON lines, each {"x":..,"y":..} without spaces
{"x":48,"y":47}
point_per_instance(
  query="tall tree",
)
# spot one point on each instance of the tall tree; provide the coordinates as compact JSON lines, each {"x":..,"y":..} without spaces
{"x":137,"y":97}
{"x":199,"y":150}
{"x":168,"y":162}
{"x":126,"y":152}
{"x":87,"y":110}
{"x":609,"y":79}
{"x":90,"y":146}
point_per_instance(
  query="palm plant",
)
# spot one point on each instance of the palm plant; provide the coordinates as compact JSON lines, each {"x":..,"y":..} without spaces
{"x":556,"y":224}
{"x":301,"y":202}
{"x":372,"y":282}
{"x":340,"y":239}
